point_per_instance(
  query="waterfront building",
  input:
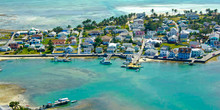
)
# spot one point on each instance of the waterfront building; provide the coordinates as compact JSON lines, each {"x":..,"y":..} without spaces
{"x":151,"y":52}
{"x":184,"y":53}
{"x":59,"y":41}
{"x":197,"y":52}
{"x":99,"y":50}
{"x":164,"y":51}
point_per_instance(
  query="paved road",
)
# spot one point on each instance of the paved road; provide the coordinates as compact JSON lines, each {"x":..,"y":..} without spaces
{"x":11,"y":40}
{"x":80,"y":41}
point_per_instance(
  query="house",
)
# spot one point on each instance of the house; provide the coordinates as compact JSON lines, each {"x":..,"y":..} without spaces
{"x":129,"y":50}
{"x":5,"y":48}
{"x":166,"y":27}
{"x":139,"y":34}
{"x":216,"y":44}
{"x":213,"y":23}
{"x":90,"y":40}
{"x":106,"y":40}
{"x":183,"y":26}
{"x":87,"y":50}
{"x":184,"y":35}
{"x":184,"y":53}
{"x":59,"y":41}
{"x":151,"y":41}
{"x":206,"y":24}
{"x":217,"y":27}
{"x":206,"y":48}
{"x":182,"y":21}
{"x":110,"y":27}
{"x":140,"y":15}
{"x":171,"y":24}
{"x":34,"y":41}
{"x":197,"y":52}
{"x":151,"y":52}
{"x":213,"y":38}
{"x":112,"y":45}
{"x":62,"y":34}
{"x":99,"y":50}
{"x":173,"y":39}
{"x":127,"y":45}
{"x":120,"y":31}
{"x":149,"y":46}
{"x":14,"y":45}
{"x":126,"y":36}
{"x":111,"y":50}
{"x":37,"y":36}
{"x":52,"y":34}
{"x":194,"y":44}
{"x":137,"y":26}
{"x":192,"y":15}
{"x":119,"y":38}
{"x":138,"y":21}
{"x":164,"y":51}
{"x":21,"y":33}
{"x":172,"y":32}
{"x":63,"y":37}
{"x":173,"y":53}
{"x":137,"y":40}
{"x":32,"y":32}
{"x":136,"y":48}
{"x":69,"y":49}
{"x":161,"y":30}
{"x":95,"y":33}
{"x":155,"y":19}
{"x":73,"y":42}
{"x":151,"y":34}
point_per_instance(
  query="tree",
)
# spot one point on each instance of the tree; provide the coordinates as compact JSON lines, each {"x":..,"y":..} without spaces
{"x":152,"y":11}
{"x":157,"y":45}
{"x":98,"y":41}
{"x":50,"y":46}
{"x":14,"y":105}
{"x":69,"y":26}
{"x":200,"y":12}
{"x":58,"y":29}
{"x":167,"y":13}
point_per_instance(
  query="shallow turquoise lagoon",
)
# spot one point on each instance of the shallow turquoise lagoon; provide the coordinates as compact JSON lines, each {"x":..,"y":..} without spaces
{"x":47,"y":14}
{"x":158,"y":86}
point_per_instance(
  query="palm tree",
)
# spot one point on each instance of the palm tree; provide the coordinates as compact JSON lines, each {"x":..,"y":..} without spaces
{"x":152,"y":11}
{"x":216,"y":10}
{"x":167,"y":13}
{"x":14,"y":105}
{"x":200,"y":12}
{"x":175,"y":11}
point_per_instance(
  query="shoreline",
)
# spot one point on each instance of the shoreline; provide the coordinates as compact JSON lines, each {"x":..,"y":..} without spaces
{"x":12,"y":92}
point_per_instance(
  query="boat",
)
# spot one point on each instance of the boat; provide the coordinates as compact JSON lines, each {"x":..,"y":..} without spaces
{"x":126,"y":62}
{"x":61,"y":101}
{"x":0,"y":69}
{"x":123,"y":66}
{"x":191,"y":63}
{"x":73,"y":101}
{"x":104,"y":61}
{"x":133,"y":66}
{"x":67,"y":60}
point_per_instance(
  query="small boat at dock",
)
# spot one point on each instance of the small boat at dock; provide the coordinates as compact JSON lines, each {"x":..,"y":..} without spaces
{"x":61,"y":101}
{"x":133,"y":66}
{"x":104,"y":61}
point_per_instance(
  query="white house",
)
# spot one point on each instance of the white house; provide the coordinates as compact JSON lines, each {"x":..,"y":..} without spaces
{"x":213,"y":38}
{"x":164,"y":51}
{"x":62,"y":34}
{"x":206,"y":48}
{"x":129,"y":50}
{"x":173,"y":31}
{"x":52,"y":34}
{"x":87,"y":50}
{"x":99,"y":50}
{"x":173,"y":39}
{"x":197,"y":52}
{"x":151,"y":52}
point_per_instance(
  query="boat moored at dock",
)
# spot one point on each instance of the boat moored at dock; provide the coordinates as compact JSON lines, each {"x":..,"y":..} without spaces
{"x":104,"y":61}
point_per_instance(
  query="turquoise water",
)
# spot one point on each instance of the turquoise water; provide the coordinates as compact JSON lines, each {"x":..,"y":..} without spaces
{"x":44,"y":14}
{"x":158,"y":86}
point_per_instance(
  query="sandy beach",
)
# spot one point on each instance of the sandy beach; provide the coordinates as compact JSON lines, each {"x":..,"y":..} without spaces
{"x":12,"y":92}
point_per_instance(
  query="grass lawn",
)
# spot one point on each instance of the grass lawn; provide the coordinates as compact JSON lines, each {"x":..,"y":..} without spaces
{"x":28,"y":51}
{"x":172,"y":46}
{"x":175,"y":18}
{"x":45,"y":41}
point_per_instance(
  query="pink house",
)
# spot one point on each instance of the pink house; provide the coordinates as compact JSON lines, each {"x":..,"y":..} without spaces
{"x":139,"y":34}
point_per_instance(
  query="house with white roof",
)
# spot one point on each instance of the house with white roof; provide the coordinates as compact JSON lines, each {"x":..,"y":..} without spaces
{"x":197,"y":52}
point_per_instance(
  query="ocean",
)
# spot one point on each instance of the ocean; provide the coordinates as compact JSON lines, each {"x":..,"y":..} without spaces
{"x":158,"y":86}
{"x":47,"y":14}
